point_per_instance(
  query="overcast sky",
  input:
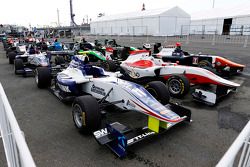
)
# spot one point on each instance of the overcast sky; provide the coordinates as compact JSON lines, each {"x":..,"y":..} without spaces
{"x":44,"y":12}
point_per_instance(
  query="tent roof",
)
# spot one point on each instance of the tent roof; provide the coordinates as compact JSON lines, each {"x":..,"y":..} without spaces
{"x":145,"y":13}
{"x":224,"y":12}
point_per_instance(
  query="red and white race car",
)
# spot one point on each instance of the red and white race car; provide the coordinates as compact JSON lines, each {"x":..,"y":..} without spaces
{"x":217,"y":64}
{"x":142,"y":68}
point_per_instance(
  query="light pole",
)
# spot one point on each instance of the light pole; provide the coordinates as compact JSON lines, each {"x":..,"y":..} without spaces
{"x":58,"y":18}
{"x":213,"y":3}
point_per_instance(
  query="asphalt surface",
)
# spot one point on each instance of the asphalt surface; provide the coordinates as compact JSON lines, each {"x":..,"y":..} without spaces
{"x":54,"y":141}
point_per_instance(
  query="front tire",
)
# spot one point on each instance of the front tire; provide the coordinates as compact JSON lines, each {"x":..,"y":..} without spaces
{"x":109,"y":65}
{"x":86,"y":114}
{"x":43,"y":77}
{"x":159,"y":91}
{"x":178,"y":86}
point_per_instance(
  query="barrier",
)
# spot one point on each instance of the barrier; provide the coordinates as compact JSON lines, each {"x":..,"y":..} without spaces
{"x":229,"y":158}
{"x":16,"y":150}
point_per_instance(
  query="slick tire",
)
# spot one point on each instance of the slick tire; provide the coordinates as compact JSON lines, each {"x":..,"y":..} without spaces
{"x":18,"y":65}
{"x":213,"y":70}
{"x":12,"y":56}
{"x":109,"y":65}
{"x":159,"y":91}
{"x":8,"y":50}
{"x":178,"y":86}
{"x":43,"y":77}
{"x":208,"y":66}
{"x":59,"y":60}
{"x":86,"y":114}
{"x":205,"y":64}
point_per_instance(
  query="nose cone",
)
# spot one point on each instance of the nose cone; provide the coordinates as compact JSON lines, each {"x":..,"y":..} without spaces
{"x":226,"y":62}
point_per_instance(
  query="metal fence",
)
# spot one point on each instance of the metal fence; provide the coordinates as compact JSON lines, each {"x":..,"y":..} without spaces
{"x":209,"y":33}
{"x":16,"y":150}
{"x":239,"y":41}
{"x":218,"y":29}
{"x":230,"y":157}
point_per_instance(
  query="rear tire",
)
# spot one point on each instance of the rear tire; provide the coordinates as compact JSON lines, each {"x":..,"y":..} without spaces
{"x":205,"y":64}
{"x":109,"y":65}
{"x":208,"y":66}
{"x":43,"y":77}
{"x":12,"y":56}
{"x":86,"y":114}
{"x":18,"y":65}
{"x":8,"y":50}
{"x":159,"y":91}
{"x":59,"y":60}
{"x":178,"y":86}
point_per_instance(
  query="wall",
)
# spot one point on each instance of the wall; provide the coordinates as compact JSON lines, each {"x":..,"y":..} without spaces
{"x":152,"y":25}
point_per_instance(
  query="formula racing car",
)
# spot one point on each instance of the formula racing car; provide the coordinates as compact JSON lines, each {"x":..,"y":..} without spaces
{"x":15,"y":49}
{"x":92,"y":89}
{"x":217,"y":64}
{"x":142,"y":68}
{"x":98,"y":59}
{"x":26,"y":63}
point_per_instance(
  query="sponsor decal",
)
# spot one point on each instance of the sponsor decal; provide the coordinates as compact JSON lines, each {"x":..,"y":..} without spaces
{"x":100,"y":133}
{"x":98,"y":90}
{"x":139,"y":137}
{"x":195,"y":60}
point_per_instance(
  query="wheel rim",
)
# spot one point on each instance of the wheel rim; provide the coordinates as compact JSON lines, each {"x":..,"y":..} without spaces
{"x":174,"y":86}
{"x":77,"y":114}
{"x":203,"y":64}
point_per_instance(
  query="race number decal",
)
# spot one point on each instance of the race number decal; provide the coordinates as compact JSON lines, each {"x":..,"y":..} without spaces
{"x":195,"y":60}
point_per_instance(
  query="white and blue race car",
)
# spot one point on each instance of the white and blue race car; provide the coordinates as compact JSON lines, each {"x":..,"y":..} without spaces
{"x":92,"y":89}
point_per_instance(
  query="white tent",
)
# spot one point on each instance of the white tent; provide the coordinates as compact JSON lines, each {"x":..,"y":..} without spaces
{"x":159,"y":22}
{"x":226,"y":20}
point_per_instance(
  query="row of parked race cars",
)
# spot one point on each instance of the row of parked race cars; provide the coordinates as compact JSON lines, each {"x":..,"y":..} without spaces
{"x":94,"y":76}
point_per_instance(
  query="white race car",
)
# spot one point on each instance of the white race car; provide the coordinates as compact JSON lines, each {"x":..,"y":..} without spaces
{"x":142,"y":68}
{"x":80,"y":80}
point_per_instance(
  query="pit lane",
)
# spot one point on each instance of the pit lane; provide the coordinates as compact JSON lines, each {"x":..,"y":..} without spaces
{"x":54,"y":141}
